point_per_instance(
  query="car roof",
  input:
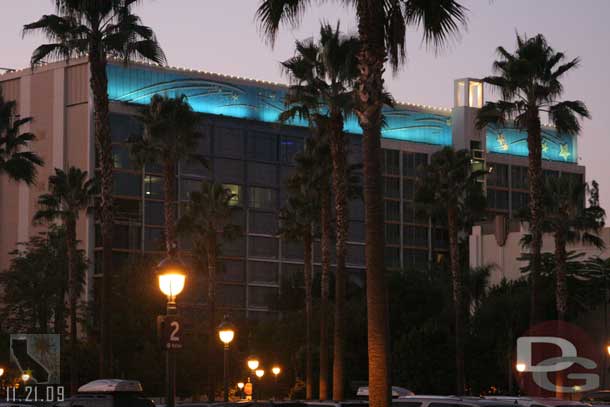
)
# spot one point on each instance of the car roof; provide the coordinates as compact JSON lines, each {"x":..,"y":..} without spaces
{"x":111,"y":386}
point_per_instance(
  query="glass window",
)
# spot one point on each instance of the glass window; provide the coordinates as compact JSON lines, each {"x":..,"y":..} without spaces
{"x":392,"y":257}
{"x":261,"y":272}
{"x":354,"y":152}
{"x":262,"y":146}
{"x":153,"y":213}
{"x":189,"y":186}
{"x":292,"y":250}
{"x":262,"y":198}
{"x":154,"y":239}
{"x":412,"y":215}
{"x":550,"y":174}
{"x":520,"y":200}
{"x":124,"y":126}
{"x":414,"y":258}
{"x":355,"y":232}
{"x":392,"y":210}
{"x":519,"y":177}
{"x":128,"y":210}
{"x":415,"y":236}
{"x":391,"y":187}
{"x":232,"y":295}
{"x":235,"y":247}
{"x":127,"y":184}
{"x":355,"y":254}
{"x":356,"y":209}
{"x":391,"y":162}
{"x":262,"y":296}
{"x":412,"y":163}
{"x":195,"y":166}
{"x":153,"y":187}
{"x":262,"y":174}
{"x":232,"y":270}
{"x":498,"y":176}
{"x":497,"y":199}
{"x":263,"y":222}
{"x":392,"y":233}
{"x":121,"y":158}
{"x":228,"y":142}
{"x":441,"y":238}
{"x":238,"y":218}
{"x":408,"y":189}
{"x":229,"y":170}
{"x":289,"y":146}
{"x":127,"y":237}
{"x":263,"y":247}
{"x":285,"y":173}
{"x":235,"y":191}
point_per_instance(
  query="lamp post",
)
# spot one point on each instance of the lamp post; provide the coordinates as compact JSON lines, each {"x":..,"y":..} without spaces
{"x":240,"y":386}
{"x":276,"y":370}
{"x":172,"y":275}
{"x":259,"y":373}
{"x":226,"y":333}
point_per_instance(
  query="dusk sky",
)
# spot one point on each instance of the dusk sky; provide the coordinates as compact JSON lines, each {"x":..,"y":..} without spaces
{"x":222,"y":36}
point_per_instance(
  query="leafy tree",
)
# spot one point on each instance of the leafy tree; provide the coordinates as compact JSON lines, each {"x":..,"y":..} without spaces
{"x":569,"y":221}
{"x":207,"y":217}
{"x":448,"y":186}
{"x":382,"y":28}
{"x":530,"y":84}
{"x":69,"y":193}
{"x":17,"y":164}
{"x":322,"y":74}
{"x":98,"y":29}
{"x":170,"y":136}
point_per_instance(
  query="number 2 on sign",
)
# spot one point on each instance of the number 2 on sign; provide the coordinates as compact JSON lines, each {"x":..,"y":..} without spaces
{"x":173,"y":337}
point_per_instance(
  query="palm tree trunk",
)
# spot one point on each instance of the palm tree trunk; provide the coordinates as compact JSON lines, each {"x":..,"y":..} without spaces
{"x":307,"y":270}
{"x":169,"y":206}
{"x":561,"y":289}
{"x":211,"y":247}
{"x":457,"y":298}
{"x":325,"y":247}
{"x":339,"y":154}
{"x":99,"y":87}
{"x":72,"y":295}
{"x":369,"y":103}
{"x":534,"y":144}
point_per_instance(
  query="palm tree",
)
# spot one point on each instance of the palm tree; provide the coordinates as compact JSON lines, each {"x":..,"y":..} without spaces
{"x":448,"y":187}
{"x":207,"y":216}
{"x":69,"y":193}
{"x":98,"y":29}
{"x":530,"y":84}
{"x":170,"y":135}
{"x":322,"y":74}
{"x":382,"y":32}
{"x":17,"y":164}
{"x":569,"y":221}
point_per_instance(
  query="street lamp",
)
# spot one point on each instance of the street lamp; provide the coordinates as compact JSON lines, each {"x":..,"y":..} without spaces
{"x":226,"y":333}
{"x":253,"y":363}
{"x":172,"y":276}
{"x":25,"y":377}
{"x":520,"y":366}
{"x":276,"y":370}
{"x":1,"y":371}
{"x":259,"y":373}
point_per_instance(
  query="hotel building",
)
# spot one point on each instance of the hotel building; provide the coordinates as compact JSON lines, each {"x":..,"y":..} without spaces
{"x":251,"y":153}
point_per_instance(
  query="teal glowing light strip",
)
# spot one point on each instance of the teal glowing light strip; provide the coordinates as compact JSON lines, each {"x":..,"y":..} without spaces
{"x":555,"y":147}
{"x":138,"y":84}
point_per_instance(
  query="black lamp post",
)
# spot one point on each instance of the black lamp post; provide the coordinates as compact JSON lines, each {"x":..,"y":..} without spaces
{"x":226,"y":333}
{"x":172,"y":275}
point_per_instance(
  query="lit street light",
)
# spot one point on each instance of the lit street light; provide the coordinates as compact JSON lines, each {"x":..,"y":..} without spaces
{"x":520,"y":367}
{"x":25,"y":377}
{"x":1,"y":371}
{"x":240,"y":386}
{"x":276,"y":370}
{"x":253,"y":363}
{"x":172,"y":276}
{"x":259,"y":373}
{"x":226,"y":333}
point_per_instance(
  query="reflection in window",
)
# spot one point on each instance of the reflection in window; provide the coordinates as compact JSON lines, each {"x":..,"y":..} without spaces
{"x":262,"y":198}
{"x":235,"y":191}
{"x":153,"y":187}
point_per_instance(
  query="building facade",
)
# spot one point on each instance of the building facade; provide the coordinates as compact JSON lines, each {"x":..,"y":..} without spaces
{"x":252,"y":154}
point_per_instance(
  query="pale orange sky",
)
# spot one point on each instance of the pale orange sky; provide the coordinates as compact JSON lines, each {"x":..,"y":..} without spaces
{"x":221,"y":35}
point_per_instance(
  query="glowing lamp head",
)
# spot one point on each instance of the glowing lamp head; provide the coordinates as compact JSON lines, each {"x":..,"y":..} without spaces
{"x":172,"y":275}
{"x":1,"y":371}
{"x":226,"y":331}
{"x":252,"y":363}
{"x":259,"y":373}
{"x":240,"y":385}
{"x":25,"y":377}
{"x":276,"y":370}
{"x":520,"y":366}
{"x":608,"y":349}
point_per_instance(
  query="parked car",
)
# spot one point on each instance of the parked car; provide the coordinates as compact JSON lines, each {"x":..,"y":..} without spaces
{"x":108,"y":393}
{"x":331,"y":403}
{"x":447,"y":401}
{"x":363,"y":392}
{"x":538,"y":401}
{"x":597,"y":398}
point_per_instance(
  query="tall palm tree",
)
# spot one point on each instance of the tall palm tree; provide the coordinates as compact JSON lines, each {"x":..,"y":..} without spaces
{"x":17,"y":164}
{"x":566,"y":217}
{"x":170,"y":135}
{"x":529,"y":81}
{"x":448,"y":187}
{"x":382,"y":31}
{"x":69,"y":194}
{"x":322,"y":75}
{"x":207,"y":217}
{"x":98,"y":29}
